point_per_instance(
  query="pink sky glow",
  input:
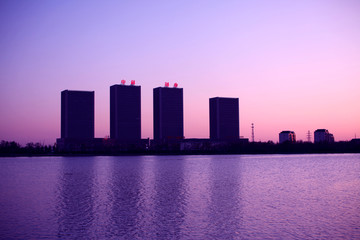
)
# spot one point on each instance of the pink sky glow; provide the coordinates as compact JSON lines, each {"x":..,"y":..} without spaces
{"x":294,"y":65}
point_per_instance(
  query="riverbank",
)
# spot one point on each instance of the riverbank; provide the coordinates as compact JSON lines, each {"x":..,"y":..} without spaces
{"x":249,"y":148}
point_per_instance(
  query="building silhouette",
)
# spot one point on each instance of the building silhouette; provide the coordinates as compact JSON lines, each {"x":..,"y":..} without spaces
{"x":287,"y":136}
{"x":168,"y":113}
{"x":77,"y":114}
{"x":224,"y":118}
{"x":323,"y":135}
{"x":125,"y":113}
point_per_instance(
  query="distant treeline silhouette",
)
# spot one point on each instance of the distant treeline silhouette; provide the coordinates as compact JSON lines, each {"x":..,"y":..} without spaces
{"x":15,"y":149}
{"x":9,"y":148}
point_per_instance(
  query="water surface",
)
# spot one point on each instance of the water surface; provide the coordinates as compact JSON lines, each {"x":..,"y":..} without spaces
{"x":181,"y":197}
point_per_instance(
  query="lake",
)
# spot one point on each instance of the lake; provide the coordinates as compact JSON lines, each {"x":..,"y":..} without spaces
{"x":181,"y":197}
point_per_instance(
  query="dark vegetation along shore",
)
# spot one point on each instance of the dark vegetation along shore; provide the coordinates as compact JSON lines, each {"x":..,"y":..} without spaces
{"x":38,"y":149}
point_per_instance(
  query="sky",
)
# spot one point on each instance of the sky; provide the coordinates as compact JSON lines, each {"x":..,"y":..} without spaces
{"x":294,"y":65}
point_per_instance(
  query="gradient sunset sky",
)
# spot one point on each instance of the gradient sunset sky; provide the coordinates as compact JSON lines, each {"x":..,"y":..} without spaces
{"x":294,"y":65}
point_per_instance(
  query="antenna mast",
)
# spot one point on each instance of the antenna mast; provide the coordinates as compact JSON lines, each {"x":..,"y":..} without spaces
{"x":252,"y":133}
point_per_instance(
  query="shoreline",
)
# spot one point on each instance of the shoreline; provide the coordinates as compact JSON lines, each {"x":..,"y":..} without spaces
{"x":169,"y":154}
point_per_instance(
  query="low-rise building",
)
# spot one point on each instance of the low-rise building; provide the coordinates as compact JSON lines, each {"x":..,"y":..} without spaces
{"x":287,"y":136}
{"x":323,"y":135}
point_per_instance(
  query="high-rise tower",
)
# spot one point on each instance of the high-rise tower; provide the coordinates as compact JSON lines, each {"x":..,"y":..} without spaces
{"x":168,"y":113}
{"x":224,"y":118}
{"x":77,"y":114}
{"x":125,"y":112}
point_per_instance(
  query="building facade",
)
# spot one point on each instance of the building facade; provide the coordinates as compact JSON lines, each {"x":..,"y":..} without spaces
{"x":287,"y":136}
{"x":125,"y":113}
{"x":168,"y":114}
{"x":224,"y":118}
{"x":77,"y":114}
{"x":323,"y":135}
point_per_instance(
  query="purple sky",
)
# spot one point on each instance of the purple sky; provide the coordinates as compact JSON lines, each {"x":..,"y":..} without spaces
{"x":294,"y":65}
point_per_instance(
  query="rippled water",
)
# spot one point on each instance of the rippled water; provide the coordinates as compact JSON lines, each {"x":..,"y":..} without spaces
{"x":181,"y":197}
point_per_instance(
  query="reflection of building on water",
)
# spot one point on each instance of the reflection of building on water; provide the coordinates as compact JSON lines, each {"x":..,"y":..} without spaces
{"x":170,"y":199}
{"x":75,"y":208}
{"x":124,"y":196}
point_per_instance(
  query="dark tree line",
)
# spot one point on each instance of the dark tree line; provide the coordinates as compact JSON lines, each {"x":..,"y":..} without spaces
{"x":15,"y":149}
{"x":10,"y":148}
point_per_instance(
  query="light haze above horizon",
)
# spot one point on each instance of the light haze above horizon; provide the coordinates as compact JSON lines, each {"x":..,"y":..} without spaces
{"x":294,"y":65}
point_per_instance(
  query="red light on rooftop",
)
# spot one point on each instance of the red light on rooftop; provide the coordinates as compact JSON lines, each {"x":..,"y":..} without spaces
{"x":175,"y":85}
{"x":132,"y":82}
{"x":123,"y":82}
{"x":167,"y":84}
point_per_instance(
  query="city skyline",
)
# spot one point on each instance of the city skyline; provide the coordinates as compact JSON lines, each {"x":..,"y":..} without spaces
{"x":77,"y":117}
{"x":292,"y":65}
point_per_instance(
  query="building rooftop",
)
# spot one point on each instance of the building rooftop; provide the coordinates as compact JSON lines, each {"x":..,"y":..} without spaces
{"x":321,"y":130}
{"x":224,"y":98}
{"x":287,"y":131}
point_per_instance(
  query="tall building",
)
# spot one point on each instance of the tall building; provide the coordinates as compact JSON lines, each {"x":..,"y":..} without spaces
{"x":168,"y":113}
{"x":125,"y":112}
{"x":224,"y":118}
{"x":323,"y":135}
{"x":287,"y":136}
{"x":77,"y":114}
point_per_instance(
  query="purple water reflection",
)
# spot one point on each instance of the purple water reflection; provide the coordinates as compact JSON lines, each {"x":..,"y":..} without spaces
{"x":187,"y":197}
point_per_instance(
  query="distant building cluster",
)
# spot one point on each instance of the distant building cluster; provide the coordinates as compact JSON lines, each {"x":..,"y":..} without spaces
{"x":77,"y":121}
{"x":320,"y":136}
